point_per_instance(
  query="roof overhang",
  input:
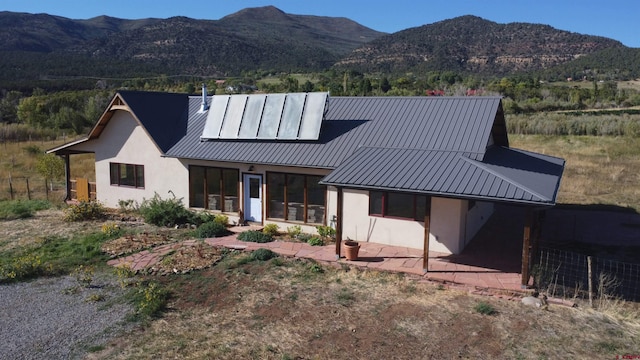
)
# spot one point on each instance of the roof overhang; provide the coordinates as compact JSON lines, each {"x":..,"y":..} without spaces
{"x":503,"y":175}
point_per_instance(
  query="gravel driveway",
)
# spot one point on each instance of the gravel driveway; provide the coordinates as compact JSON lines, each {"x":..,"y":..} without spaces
{"x":54,"y":318}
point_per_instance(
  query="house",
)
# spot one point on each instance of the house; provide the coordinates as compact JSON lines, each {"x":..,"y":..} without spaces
{"x":420,"y":172}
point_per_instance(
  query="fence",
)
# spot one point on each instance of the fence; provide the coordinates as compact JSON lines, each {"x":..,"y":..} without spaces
{"x":563,"y":273}
{"x":25,"y":188}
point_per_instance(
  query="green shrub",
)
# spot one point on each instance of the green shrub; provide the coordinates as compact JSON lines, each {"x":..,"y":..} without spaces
{"x":21,"y":209}
{"x":166,"y":212}
{"x":23,"y":267}
{"x":85,"y":210}
{"x":294,"y":230}
{"x":326,"y":231}
{"x":222,"y":219}
{"x":304,"y":237}
{"x":127,"y":206}
{"x":150,"y":299}
{"x":263,"y":254}
{"x":255,"y":236}
{"x":210,"y":229}
{"x":33,"y":150}
{"x":271,"y":229}
{"x":484,"y":308}
{"x":315,"y":241}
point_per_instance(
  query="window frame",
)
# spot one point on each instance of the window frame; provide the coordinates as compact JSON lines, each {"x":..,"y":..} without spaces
{"x":384,"y":211}
{"x":285,"y":201}
{"x":115,"y":178}
{"x":206,"y":170}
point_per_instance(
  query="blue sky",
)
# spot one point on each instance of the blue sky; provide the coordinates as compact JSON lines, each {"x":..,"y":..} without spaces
{"x":616,"y":19}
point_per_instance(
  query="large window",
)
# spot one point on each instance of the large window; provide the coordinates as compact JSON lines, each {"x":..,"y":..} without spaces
{"x":213,"y":188}
{"x":126,"y":175}
{"x":398,"y":205}
{"x":296,"y":198}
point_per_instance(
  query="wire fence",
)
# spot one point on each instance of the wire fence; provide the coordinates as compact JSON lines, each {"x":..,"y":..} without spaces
{"x":31,"y":188}
{"x":567,"y":274}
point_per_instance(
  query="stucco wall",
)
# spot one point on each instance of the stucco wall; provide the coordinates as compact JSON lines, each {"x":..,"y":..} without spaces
{"x":124,"y":141}
{"x":447,"y":227}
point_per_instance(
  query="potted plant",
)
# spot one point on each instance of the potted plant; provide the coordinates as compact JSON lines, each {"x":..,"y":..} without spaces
{"x":351,"y":248}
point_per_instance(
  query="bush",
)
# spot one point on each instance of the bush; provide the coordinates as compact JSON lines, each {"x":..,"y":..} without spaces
{"x":271,"y":229}
{"x":263,"y":254}
{"x":210,"y":229}
{"x":294,"y":230}
{"x":21,"y":209}
{"x":255,"y":236}
{"x":315,"y":241}
{"x":22,"y":268}
{"x":85,"y":210}
{"x":221,"y":219}
{"x":150,"y":300}
{"x":326,"y":231}
{"x":167,"y":212}
{"x":484,"y":308}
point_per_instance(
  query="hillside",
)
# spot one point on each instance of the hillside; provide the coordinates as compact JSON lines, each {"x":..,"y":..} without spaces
{"x":470,"y":44}
{"x":59,"y":53}
{"x":252,"y":39}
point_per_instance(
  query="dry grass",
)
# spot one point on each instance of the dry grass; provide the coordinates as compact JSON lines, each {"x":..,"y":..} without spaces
{"x":599,"y":170}
{"x":264,"y":311}
{"x":19,"y":164}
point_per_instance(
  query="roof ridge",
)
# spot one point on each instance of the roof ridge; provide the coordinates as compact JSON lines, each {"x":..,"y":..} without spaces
{"x":510,"y":181}
{"x":422,"y":149}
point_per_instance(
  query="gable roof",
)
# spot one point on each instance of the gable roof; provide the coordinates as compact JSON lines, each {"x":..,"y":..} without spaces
{"x":444,"y":123}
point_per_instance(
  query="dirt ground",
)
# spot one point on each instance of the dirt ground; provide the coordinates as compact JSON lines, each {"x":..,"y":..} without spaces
{"x":289,"y":308}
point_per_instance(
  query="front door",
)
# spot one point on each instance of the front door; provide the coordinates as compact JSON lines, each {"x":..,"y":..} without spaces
{"x":253,"y":198}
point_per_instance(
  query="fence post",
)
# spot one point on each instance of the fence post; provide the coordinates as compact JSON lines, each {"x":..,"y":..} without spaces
{"x":11,"y":188}
{"x":28,"y":190}
{"x":46,"y":189}
{"x":590,"y":276}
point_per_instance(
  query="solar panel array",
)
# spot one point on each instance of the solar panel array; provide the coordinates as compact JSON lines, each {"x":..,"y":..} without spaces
{"x":295,"y":116}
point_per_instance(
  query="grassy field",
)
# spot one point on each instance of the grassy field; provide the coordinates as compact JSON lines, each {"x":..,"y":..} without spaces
{"x":18,"y":165}
{"x":599,"y":170}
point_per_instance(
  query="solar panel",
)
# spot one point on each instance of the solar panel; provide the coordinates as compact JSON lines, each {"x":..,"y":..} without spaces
{"x":296,"y":116}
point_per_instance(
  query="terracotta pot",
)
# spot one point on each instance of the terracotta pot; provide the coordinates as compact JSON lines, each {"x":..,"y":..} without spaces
{"x":351,"y":249}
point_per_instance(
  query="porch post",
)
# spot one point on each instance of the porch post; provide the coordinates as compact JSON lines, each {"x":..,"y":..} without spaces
{"x":67,"y":175}
{"x":425,"y":247}
{"x":526,"y":247}
{"x":339,"y":222}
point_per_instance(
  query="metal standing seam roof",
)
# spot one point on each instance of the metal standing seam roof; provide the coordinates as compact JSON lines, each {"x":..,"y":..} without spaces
{"x":503,"y":175}
{"x":353,"y":122}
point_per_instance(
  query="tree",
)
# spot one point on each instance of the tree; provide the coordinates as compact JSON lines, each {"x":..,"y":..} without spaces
{"x":51,"y":167}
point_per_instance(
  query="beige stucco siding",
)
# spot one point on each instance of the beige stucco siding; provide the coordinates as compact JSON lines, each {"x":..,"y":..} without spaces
{"x":447,"y":232}
{"x":125,"y":141}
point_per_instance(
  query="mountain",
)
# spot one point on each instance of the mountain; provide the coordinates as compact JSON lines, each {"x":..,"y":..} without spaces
{"x":46,"y":50}
{"x":470,"y":44}
{"x":36,"y":46}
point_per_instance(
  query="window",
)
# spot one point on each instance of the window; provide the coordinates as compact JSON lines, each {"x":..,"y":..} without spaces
{"x":296,"y":198}
{"x":126,"y":175}
{"x":214,"y":188}
{"x":398,"y":205}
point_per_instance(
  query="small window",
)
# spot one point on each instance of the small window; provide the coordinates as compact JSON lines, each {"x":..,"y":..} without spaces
{"x":398,"y":205}
{"x":126,"y":175}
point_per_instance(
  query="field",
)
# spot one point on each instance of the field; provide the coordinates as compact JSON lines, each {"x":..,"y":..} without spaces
{"x":599,"y":170}
{"x":18,"y":168}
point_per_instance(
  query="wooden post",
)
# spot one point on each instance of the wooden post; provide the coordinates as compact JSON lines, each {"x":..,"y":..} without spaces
{"x":28,"y":190}
{"x":10,"y":187}
{"x":67,"y":175}
{"x":590,"y":274}
{"x":526,"y":248}
{"x":427,"y":231}
{"x":339,"y":223}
